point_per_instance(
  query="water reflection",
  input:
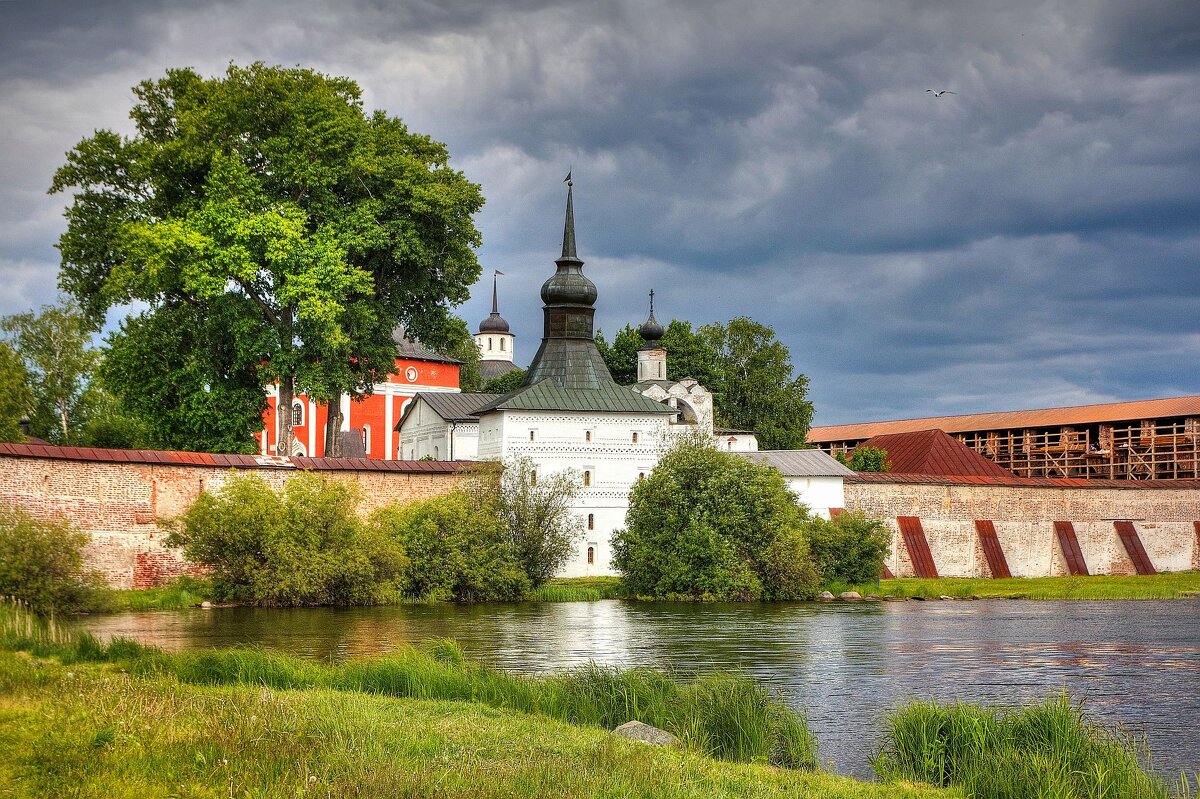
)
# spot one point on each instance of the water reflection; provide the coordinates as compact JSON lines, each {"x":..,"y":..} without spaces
{"x":1136,"y":664}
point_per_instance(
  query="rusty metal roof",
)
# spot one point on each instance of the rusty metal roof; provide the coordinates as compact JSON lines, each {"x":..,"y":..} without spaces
{"x":932,"y":452}
{"x":1028,"y":482}
{"x":220,"y":461}
{"x":1005,"y":420}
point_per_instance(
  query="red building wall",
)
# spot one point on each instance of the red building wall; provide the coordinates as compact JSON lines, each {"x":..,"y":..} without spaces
{"x":371,"y":412}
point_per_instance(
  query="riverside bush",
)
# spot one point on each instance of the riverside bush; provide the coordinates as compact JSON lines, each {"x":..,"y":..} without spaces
{"x":1041,"y":751}
{"x":303,"y":546}
{"x":849,"y":548}
{"x":456,"y":549}
{"x":41,"y":563}
{"x":707,"y":524}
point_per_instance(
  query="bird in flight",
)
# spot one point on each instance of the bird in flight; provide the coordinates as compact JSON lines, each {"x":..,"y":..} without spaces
{"x":940,"y":93}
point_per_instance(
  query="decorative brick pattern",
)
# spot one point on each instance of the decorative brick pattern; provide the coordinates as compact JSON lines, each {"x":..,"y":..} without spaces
{"x":1023,"y":513}
{"x":121,"y":503}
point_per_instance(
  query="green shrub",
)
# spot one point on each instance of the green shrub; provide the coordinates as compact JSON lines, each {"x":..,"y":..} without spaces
{"x":456,"y":549}
{"x":849,"y":548}
{"x":1044,"y":750}
{"x":707,"y":524}
{"x":865,"y":459}
{"x":41,"y":563}
{"x":304,"y":546}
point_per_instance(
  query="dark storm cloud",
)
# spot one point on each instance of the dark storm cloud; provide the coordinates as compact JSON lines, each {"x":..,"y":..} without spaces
{"x":1030,"y":240}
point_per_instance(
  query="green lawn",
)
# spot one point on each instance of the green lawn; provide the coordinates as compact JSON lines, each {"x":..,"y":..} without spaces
{"x":91,"y":731}
{"x":1170,"y":585}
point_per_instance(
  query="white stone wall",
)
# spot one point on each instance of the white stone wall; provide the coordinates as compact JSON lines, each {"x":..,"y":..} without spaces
{"x":819,"y":493}
{"x":611,"y":457}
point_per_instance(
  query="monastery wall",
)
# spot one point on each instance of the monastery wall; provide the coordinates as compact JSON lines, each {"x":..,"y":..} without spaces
{"x":1165,"y":515}
{"x":120,"y":496}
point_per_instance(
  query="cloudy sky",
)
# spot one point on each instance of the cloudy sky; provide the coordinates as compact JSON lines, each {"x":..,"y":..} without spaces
{"x":1031,"y":240}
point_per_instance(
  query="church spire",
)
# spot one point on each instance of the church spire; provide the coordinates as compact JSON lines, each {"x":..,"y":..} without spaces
{"x":495,"y":308}
{"x":568,"y":248}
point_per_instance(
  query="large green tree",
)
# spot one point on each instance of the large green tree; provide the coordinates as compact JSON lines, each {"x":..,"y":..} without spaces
{"x":748,"y":370}
{"x":274,"y":186}
{"x":55,"y":345}
{"x":707,"y":524}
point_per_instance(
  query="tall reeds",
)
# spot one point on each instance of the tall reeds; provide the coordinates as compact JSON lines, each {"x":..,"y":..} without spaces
{"x":1044,"y":751}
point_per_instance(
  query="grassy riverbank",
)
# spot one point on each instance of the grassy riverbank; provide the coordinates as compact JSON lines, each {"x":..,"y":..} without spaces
{"x":90,"y":731}
{"x":1169,"y":585}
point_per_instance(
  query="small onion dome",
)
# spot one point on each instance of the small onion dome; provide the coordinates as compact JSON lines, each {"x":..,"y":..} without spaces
{"x":568,"y":286}
{"x":651,"y":331}
{"x":495,"y":323}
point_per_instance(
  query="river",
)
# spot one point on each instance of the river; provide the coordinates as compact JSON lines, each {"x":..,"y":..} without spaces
{"x":1135,"y":664}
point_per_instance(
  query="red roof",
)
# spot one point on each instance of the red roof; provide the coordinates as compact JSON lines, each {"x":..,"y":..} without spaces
{"x":1005,"y":420}
{"x":933,"y":452}
{"x":1028,"y":482}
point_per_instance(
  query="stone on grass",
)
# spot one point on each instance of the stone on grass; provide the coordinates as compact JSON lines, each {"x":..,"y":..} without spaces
{"x":874,"y":598}
{"x":647,"y":734}
{"x":945,"y":596}
{"x":850,"y":596}
{"x":206,"y":604}
{"x":824,"y":596}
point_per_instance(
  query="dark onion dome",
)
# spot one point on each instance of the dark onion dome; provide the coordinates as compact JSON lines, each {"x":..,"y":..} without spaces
{"x":568,"y":285}
{"x":493,"y":324}
{"x":651,"y":331}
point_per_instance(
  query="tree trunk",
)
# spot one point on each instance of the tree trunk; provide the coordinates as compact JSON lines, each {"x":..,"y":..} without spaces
{"x":65,"y":421}
{"x":283,"y":415}
{"x":333,"y":427}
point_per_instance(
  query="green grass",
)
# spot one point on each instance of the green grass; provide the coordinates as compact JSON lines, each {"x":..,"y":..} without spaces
{"x":1044,"y":751}
{"x":1168,"y":585}
{"x":724,"y":716}
{"x":89,"y":731}
{"x":605,"y":587}
{"x":555,"y":592}
{"x":184,"y":592}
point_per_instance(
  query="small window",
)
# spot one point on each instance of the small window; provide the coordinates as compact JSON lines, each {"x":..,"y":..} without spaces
{"x":591,"y":555}
{"x":436,"y":454}
{"x":587,"y":436}
{"x":641,"y":476}
{"x":533,"y":478}
{"x":591,"y":521}
{"x":489,"y":343}
{"x":635,"y":438}
{"x":660,"y":374}
{"x":366,"y":438}
{"x":297,"y":413}
{"x":502,"y":345}
{"x":531,"y":435}
{"x":587,"y":479}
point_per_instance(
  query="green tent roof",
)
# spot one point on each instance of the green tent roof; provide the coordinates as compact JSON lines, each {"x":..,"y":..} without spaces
{"x":547,"y":395}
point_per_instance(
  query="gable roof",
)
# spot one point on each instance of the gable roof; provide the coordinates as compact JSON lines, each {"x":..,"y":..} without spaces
{"x":933,"y":452}
{"x":548,"y":395}
{"x":799,"y":462}
{"x":451,"y":406}
{"x":416,"y":351}
{"x":1003,"y":420}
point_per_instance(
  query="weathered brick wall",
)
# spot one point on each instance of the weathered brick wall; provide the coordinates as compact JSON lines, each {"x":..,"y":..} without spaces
{"x":1024,"y":517}
{"x":121,"y":504}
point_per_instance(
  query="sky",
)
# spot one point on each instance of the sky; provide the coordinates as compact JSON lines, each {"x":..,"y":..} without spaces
{"x":1030,"y":240}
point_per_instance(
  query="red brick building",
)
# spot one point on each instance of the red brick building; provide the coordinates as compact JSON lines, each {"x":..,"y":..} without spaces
{"x":372,"y":418}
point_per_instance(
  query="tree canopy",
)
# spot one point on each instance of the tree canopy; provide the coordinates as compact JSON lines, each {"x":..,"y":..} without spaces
{"x":270,"y":193}
{"x":748,"y":370}
{"x":55,"y":347}
{"x":16,"y":400}
{"x":707,"y":524}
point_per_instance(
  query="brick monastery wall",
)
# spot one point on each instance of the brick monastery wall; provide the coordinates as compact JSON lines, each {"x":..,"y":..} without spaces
{"x":121,"y":503}
{"x":1164,"y":514}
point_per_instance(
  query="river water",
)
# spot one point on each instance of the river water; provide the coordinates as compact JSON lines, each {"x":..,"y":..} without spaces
{"x":1133,"y":664}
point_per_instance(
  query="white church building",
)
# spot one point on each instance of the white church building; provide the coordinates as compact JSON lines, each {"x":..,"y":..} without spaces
{"x":569,"y":413}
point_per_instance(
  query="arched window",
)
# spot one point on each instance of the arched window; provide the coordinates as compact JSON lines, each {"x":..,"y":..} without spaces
{"x":591,"y":521}
{"x":660,"y":369}
{"x":587,"y":436}
{"x":502,"y":345}
{"x":641,"y":476}
{"x":436,"y":454}
{"x":587,"y":479}
{"x":366,"y":438}
{"x":533,"y":478}
{"x":635,"y":438}
{"x":489,"y":343}
{"x":591,"y":555}
{"x":297,"y":413}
